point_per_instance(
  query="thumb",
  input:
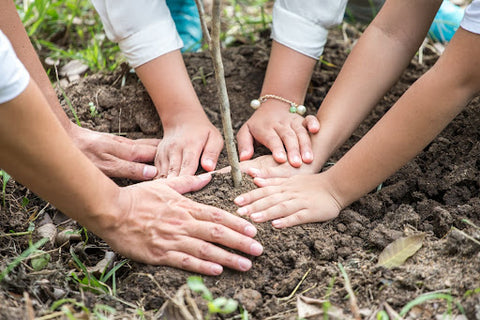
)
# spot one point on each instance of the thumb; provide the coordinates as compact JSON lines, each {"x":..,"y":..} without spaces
{"x":183,"y":184}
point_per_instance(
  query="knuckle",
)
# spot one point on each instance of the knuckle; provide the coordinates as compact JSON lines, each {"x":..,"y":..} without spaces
{"x":216,"y":233}
{"x":216,"y":216}
{"x":186,"y":262}
{"x":204,"y":250}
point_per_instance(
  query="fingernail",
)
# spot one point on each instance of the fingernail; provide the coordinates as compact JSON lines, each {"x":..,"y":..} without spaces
{"x":208,"y":163}
{"x":242,"y":211}
{"x":250,"y":231}
{"x":256,"y":249}
{"x":259,"y":182}
{"x":216,"y":269}
{"x":256,"y":216}
{"x":296,"y":159}
{"x":277,"y":224}
{"x":149,"y":172}
{"x":307,"y":156}
{"x":244,"y":264}
{"x":281,"y":156}
{"x":243,"y":154}
{"x":254,"y":172}
{"x":239,"y":200}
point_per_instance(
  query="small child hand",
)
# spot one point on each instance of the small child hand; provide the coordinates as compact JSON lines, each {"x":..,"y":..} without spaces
{"x":276,"y":128}
{"x":289,"y":201}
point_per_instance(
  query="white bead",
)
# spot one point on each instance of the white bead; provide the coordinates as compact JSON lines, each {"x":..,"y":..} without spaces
{"x":255,"y":104}
{"x":301,"y":110}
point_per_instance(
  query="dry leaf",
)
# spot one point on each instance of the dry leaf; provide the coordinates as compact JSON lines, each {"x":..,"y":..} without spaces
{"x":397,"y":252}
{"x":310,"y":308}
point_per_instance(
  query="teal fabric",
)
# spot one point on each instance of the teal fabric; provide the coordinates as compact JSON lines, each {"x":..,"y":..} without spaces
{"x":187,"y":21}
{"x":446,"y":22}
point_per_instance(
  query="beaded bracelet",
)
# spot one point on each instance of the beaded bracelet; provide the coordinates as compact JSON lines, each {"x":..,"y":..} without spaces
{"x":294,"y":108}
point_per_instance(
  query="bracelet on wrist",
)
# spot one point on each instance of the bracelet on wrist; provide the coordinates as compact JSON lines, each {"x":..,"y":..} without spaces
{"x":294,"y":107}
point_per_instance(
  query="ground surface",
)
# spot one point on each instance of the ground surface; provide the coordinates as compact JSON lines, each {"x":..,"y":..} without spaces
{"x":434,"y":192}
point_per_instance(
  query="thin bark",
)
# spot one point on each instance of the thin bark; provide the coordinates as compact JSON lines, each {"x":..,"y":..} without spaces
{"x":214,"y":48}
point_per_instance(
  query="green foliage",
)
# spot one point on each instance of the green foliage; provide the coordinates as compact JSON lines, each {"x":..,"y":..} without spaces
{"x":5,"y":177}
{"x":219,"y":305}
{"x":93,"y":109}
{"x":89,"y":282}
{"x":41,"y":260}
{"x":432,"y":296}
{"x":33,"y":248}
{"x":68,"y":29}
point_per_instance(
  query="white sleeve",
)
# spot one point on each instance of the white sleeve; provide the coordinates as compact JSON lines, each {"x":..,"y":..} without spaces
{"x":14,"y":77}
{"x":143,"y":29}
{"x":471,"y":19}
{"x":302,"y":25}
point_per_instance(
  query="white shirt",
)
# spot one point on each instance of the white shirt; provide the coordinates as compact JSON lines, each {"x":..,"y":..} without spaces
{"x":144,"y":29}
{"x":471,"y":19}
{"x":14,"y":77}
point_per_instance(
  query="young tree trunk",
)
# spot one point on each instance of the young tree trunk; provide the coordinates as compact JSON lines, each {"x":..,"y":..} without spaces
{"x":214,"y":48}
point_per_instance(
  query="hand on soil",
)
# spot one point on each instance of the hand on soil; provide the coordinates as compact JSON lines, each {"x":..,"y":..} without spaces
{"x":289,"y":201}
{"x":179,"y":151}
{"x":117,"y":156}
{"x":161,"y":227}
{"x":285,"y":134}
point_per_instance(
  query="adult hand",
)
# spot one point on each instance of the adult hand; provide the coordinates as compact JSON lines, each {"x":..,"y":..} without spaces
{"x":183,"y":143}
{"x":117,"y":156}
{"x":288,"y":201}
{"x":162,"y":227}
{"x":275,"y":127}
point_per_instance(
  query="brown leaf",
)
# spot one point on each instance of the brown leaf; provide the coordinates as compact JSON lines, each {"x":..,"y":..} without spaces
{"x":397,"y":252}
{"x":310,"y":308}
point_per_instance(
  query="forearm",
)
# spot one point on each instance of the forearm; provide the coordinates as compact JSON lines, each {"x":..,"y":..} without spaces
{"x":420,"y":115}
{"x":288,"y":73}
{"x":12,"y":26}
{"x":168,"y":84}
{"x":37,"y":151}
{"x":374,"y":65}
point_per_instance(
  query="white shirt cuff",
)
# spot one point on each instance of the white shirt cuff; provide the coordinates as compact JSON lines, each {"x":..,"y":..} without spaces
{"x":471,"y":18}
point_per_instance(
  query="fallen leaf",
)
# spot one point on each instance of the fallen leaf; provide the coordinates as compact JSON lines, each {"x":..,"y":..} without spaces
{"x":397,"y":252}
{"x":310,"y":308}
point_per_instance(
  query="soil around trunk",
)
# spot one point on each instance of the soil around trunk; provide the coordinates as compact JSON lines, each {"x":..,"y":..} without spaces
{"x":434,"y":192}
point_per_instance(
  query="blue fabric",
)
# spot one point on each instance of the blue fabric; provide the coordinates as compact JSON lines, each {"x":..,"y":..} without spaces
{"x":187,"y":20}
{"x":446,"y":22}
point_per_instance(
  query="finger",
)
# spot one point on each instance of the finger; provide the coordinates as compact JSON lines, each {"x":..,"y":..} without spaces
{"x":255,"y":210}
{"x":188,"y":262}
{"x":300,"y":217}
{"x":189,"y":163}
{"x":305,"y":143}
{"x":290,"y":141}
{"x":274,"y":143}
{"x":130,"y":170}
{"x":161,"y":162}
{"x":269,"y":172}
{"x":131,"y":150}
{"x":256,"y":194}
{"x":211,"y":151}
{"x":151,"y":142}
{"x":174,"y":163}
{"x":245,"y":143}
{"x":219,"y":216}
{"x":183,"y":184}
{"x":274,"y":207}
{"x":311,"y":123}
{"x":220,"y":234}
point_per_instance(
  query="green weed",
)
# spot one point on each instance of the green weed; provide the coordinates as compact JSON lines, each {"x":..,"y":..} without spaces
{"x":5,"y":177}
{"x":219,"y":305}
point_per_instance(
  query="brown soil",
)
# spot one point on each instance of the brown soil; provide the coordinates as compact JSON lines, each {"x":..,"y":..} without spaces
{"x":431,"y":194}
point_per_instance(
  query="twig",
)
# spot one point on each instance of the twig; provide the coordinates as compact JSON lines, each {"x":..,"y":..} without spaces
{"x":214,"y":48}
{"x":348,"y":287}
{"x":296,"y":288}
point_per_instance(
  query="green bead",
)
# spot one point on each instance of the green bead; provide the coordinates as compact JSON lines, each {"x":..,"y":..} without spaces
{"x":293,"y":109}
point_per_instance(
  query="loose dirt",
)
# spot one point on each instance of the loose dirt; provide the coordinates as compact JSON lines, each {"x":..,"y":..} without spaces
{"x":433,"y":193}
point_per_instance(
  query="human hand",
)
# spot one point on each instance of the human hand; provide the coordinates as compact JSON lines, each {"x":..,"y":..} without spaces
{"x":288,"y":201}
{"x":278,"y":129}
{"x":162,"y":227}
{"x":117,"y":156}
{"x":183,"y":143}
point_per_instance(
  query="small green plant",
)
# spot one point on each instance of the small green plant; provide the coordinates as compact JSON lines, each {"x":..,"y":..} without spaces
{"x":91,"y":283}
{"x":219,"y":305}
{"x":433,"y":296}
{"x":32,"y":249}
{"x":100,"y":311}
{"x":5,"y":177}
{"x":93,"y":109}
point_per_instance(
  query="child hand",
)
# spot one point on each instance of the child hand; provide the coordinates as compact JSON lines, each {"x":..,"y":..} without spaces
{"x":182,"y":144}
{"x":289,"y":202}
{"x":276,"y":128}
